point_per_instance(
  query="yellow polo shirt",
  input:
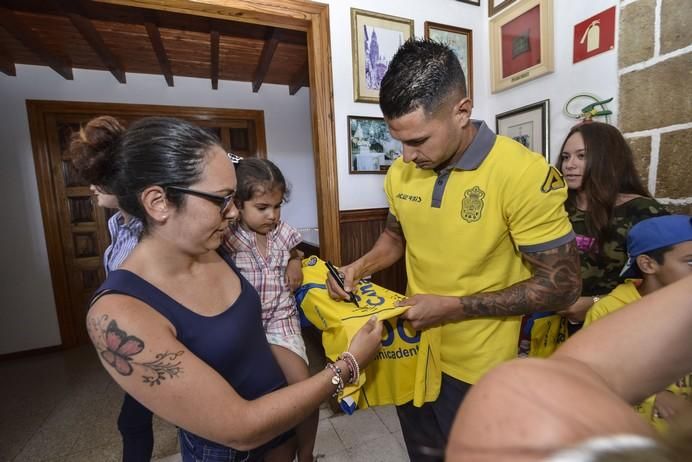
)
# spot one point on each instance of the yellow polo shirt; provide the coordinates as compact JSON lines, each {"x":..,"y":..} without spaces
{"x":465,"y":228}
{"x":622,"y":295}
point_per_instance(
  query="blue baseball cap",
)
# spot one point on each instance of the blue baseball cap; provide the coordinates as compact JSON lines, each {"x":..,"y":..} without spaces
{"x":655,"y":233}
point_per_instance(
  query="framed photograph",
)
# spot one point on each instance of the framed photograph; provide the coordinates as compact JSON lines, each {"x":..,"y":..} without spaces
{"x":461,"y":41}
{"x":529,"y":125}
{"x":376,"y":37}
{"x":471,"y":2}
{"x":521,"y":44}
{"x":495,"y":6}
{"x":371,"y":149}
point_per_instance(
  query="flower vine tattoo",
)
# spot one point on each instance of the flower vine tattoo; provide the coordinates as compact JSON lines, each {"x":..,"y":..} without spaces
{"x":162,"y":368}
{"x":117,"y":348}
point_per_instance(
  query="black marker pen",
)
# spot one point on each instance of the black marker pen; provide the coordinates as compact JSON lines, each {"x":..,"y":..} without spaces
{"x":340,"y":280}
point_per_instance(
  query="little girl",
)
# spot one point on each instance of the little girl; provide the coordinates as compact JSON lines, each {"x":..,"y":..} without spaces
{"x":264,"y":249}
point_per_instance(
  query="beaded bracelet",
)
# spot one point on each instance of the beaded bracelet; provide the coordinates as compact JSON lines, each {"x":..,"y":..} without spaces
{"x":336,"y":380}
{"x":352,"y":364}
{"x":351,"y":368}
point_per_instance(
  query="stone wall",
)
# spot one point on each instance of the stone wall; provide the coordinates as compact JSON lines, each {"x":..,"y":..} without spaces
{"x":655,"y":100}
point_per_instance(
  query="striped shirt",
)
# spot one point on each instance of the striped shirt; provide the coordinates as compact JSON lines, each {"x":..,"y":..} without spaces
{"x":124,"y":238}
{"x":268,"y":275}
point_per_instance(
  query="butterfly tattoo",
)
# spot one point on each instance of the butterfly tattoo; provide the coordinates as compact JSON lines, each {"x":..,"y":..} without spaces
{"x":117,"y":348}
{"x":120,"y":348}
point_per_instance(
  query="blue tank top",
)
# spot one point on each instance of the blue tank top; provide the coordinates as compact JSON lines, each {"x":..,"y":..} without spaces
{"x":233,"y":342}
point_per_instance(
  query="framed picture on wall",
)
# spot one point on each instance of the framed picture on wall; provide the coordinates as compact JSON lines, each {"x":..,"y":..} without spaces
{"x":529,"y":125}
{"x":471,"y":2}
{"x":495,"y":6}
{"x":375,"y":38}
{"x":461,"y":41}
{"x":521,"y":44}
{"x":371,"y":149}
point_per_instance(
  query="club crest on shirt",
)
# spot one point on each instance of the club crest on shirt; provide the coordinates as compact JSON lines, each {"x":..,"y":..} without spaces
{"x":472,"y":204}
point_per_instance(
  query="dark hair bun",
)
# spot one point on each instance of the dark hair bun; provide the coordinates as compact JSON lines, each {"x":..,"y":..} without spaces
{"x":92,"y":148}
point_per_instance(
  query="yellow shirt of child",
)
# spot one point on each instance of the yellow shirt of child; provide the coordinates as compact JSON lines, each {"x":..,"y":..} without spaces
{"x":406,"y":368}
{"x":466,"y":227}
{"x":622,"y":295}
{"x":547,"y":331}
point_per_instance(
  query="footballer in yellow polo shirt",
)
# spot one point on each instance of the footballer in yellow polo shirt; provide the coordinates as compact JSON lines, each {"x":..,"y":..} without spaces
{"x":466,"y":227}
{"x":481,"y":222}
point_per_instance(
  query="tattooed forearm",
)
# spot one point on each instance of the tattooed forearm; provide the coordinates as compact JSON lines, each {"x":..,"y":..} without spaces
{"x":555,"y":285}
{"x":117,"y":349}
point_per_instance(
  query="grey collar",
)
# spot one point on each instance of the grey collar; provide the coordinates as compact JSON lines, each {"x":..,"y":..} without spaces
{"x":478,"y":150}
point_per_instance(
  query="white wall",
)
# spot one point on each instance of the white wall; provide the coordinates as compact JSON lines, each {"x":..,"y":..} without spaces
{"x":595,"y":75}
{"x":27,"y":315}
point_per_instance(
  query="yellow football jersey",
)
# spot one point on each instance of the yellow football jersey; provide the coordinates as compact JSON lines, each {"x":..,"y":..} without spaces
{"x":544,"y":332}
{"x":406,"y":368}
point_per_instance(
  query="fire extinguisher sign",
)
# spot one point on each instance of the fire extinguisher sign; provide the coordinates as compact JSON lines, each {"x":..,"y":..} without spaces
{"x":595,"y":35}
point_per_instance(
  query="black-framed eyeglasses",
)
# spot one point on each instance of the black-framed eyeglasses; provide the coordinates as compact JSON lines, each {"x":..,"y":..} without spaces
{"x":234,"y":158}
{"x":222,"y":201}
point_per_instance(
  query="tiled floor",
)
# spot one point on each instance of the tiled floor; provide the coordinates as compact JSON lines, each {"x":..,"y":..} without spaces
{"x":63,"y":407}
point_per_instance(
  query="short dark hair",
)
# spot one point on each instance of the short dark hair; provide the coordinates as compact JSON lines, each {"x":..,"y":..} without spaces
{"x":154,"y":151}
{"x":658,"y":255}
{"x":422,"y":74}
{"x":258,"y":175}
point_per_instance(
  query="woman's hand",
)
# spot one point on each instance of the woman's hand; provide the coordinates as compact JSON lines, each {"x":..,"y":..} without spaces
{"x":366,"y":342}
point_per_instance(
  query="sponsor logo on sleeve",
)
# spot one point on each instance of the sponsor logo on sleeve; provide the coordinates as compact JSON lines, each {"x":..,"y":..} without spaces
{"x":553,"y":181}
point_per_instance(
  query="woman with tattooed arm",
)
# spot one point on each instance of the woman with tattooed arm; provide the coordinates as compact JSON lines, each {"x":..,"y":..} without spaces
{"x":177,"y":326}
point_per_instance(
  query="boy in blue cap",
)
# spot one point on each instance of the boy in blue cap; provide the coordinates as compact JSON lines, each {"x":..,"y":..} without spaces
{"x":660,"y":253}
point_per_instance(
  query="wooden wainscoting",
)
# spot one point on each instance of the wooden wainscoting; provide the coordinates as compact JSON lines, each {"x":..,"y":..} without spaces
{"x":359,"y":231}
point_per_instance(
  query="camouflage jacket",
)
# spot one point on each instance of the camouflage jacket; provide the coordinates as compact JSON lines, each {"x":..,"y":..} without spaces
{"x":600,"y":271}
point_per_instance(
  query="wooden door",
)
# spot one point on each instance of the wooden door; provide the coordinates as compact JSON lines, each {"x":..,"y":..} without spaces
{"x":76,"y":229}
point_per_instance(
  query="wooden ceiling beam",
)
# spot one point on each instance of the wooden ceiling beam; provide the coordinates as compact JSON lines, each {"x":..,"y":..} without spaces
{"x":93,"y":38}
{"x":270,"y":44}
{"x":129,"y":14}
{"x":159,"y":50}
{"x":300,"y":79}
{"x":214,"y":39}
{"x":7,"y":63}
{"x":29,"y":39}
